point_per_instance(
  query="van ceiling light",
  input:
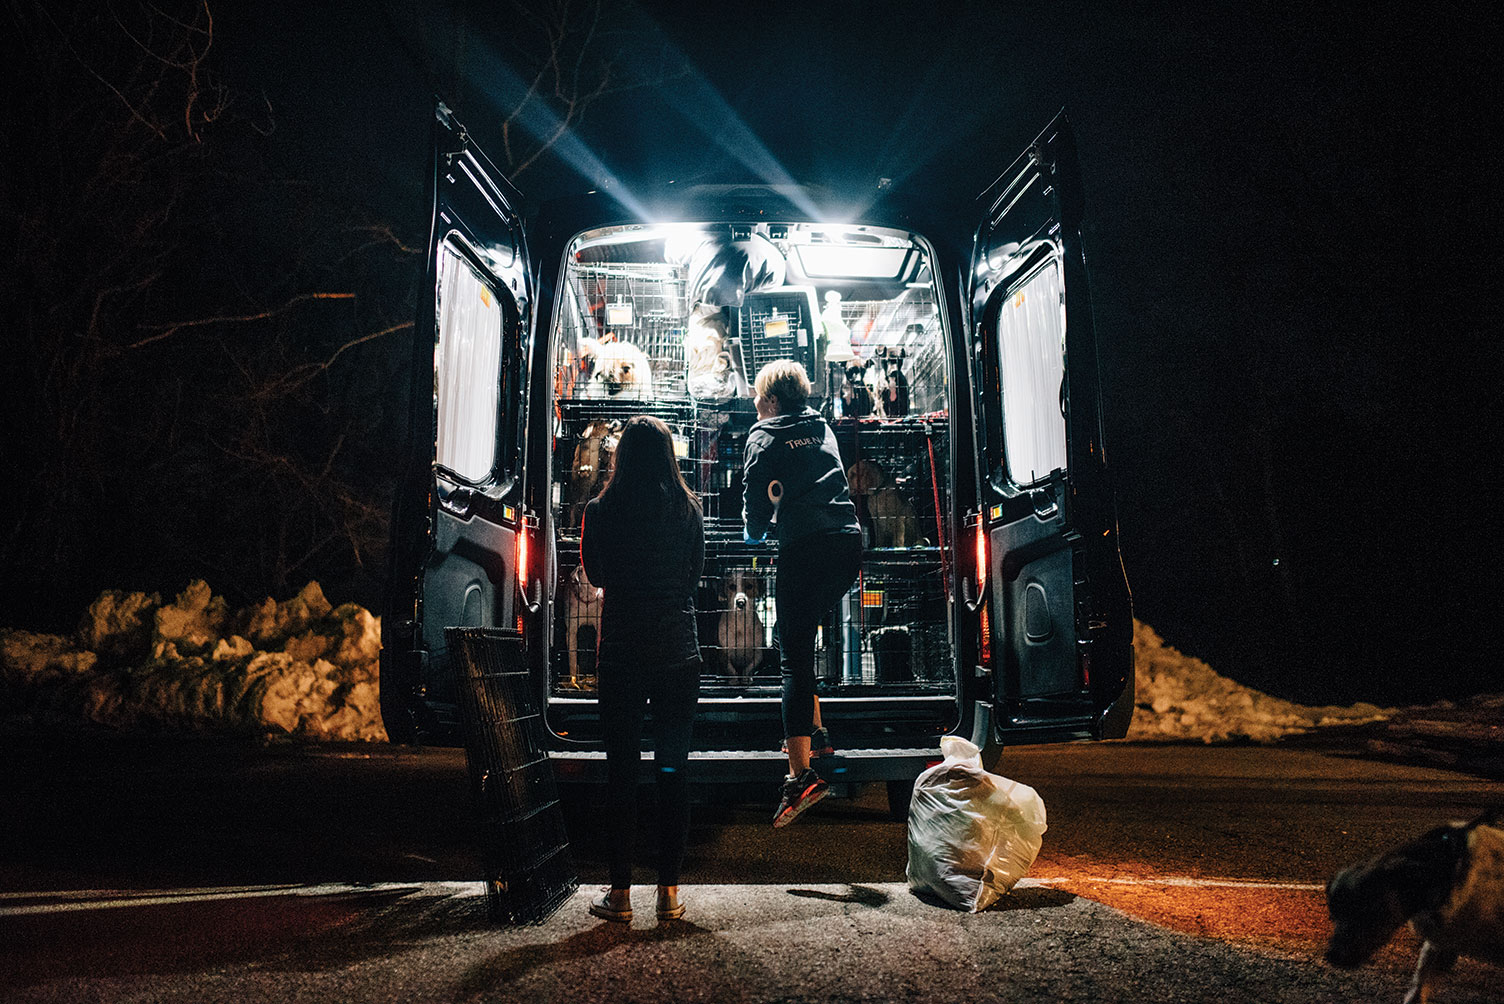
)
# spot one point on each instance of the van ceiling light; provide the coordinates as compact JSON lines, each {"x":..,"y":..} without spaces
{"x":848,"y":262}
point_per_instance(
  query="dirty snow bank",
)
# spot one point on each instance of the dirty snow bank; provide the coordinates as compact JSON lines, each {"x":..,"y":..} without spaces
{"x":304,"y":668}
{"x":1181,"y":697}
{"x":301,"y":667}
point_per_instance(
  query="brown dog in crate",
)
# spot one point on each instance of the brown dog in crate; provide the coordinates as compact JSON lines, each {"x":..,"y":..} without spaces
{"x":592,"y":462}
{"x":582,"y":627}
{"x":893,"y":520}
{"x":741,"y":632}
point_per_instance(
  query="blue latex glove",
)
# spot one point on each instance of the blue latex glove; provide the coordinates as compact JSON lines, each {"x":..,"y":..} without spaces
{"x":747,"y":538}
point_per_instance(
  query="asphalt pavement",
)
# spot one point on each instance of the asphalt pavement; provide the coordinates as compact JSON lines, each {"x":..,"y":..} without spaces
{"x":165,"y":869}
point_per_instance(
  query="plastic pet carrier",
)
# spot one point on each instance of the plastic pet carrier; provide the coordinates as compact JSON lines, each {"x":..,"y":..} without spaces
{"x":524,"y":847}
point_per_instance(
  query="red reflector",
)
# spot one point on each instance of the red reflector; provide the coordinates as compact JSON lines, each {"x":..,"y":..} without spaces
{"x":986,"y":642}
{"x":932,"y":763}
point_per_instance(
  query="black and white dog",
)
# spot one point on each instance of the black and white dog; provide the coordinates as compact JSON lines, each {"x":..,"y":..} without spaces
{"x":1449,"y":884}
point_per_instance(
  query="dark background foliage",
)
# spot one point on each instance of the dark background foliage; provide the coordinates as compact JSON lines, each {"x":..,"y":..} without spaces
{"x":1293,"y":238}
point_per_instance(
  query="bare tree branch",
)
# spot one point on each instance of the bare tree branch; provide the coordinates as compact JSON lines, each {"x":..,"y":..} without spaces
{"x":171,"y":329}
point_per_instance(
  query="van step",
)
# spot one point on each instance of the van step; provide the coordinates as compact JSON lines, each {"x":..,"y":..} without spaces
{"x":930,"y":753}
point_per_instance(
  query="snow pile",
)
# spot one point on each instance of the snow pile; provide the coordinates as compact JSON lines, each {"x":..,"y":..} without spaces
{"x":1180,"y":697}
{"x":300,"y":667}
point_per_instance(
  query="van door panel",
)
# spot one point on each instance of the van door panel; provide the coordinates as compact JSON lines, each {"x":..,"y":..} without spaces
{"x":1058,"y":600}
{"x":470,"y":385}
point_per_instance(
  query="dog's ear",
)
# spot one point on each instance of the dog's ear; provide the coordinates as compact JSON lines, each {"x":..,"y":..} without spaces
{"x":1420,"y":873}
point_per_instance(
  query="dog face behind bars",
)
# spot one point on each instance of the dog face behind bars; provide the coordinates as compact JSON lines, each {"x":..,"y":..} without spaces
{"x":592,"y":462}
{"x":741,"y":629}
{"x":1448,"y":884}
{"x":620,"y":369}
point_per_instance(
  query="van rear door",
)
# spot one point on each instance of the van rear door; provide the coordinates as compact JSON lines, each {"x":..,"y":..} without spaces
{"x":466,"y":477}
{"x":1054,"y":600}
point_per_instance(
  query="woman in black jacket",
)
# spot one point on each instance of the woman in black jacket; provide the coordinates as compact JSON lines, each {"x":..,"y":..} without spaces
{"x":643,"y":543}
{"x":796,"y":488}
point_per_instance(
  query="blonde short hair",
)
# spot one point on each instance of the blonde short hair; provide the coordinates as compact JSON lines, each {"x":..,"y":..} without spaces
{"x":785,"y":380}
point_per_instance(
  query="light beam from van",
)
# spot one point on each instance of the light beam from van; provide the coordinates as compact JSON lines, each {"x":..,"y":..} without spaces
{"x":505,"y":90}
{"x":698,"y":101}
{"x":703,"y":105}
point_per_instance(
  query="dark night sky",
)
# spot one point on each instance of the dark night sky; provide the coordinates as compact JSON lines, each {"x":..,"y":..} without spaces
{"x":1292,"y":238}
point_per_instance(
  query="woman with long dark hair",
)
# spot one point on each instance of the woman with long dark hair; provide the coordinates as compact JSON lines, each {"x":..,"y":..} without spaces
{"x":643,"y":543}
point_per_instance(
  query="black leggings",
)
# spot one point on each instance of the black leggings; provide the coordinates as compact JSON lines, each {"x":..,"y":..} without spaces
{"x":813,"y":573}
{"x":626,"y":691}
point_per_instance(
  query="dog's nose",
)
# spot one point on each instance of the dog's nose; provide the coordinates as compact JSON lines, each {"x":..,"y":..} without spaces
{"x":740,"y":602}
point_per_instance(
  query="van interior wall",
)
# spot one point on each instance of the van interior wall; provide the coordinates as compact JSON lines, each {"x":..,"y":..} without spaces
{"x":626,"y":343}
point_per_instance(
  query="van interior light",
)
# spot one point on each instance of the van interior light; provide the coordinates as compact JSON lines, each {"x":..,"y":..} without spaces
{"x":846,"y":261}
{"x":619,"y":315}
{"x":681,"y":240}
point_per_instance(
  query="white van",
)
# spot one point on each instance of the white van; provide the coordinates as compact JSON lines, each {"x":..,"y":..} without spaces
{"x":953,"y":354}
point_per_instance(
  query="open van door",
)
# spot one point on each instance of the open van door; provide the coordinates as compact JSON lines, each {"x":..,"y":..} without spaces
{"x":460,"y":537}
{"x":1053,"y":602}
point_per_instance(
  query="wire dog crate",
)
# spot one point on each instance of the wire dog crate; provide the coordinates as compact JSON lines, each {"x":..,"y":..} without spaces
{"x":898,"y":472}
{"x":709,"y":443}
{"x":524,"y":848}
{"x":891,"y":630}
{"x":639,"y":304}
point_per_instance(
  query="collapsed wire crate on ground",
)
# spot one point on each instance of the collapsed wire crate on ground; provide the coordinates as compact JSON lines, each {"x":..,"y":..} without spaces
{"x":529,"y":871}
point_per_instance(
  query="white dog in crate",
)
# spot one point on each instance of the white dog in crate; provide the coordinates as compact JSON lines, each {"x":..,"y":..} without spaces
{"x":741,"y":632}
{"x":582,"y":611}
{"x":617,"y":369}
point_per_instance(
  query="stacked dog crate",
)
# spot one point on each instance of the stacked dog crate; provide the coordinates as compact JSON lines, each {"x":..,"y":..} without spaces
{"x":524,"y":848}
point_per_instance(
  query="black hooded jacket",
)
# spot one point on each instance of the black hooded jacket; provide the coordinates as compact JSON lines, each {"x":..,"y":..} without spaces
{"x":647,"y":563}
{"x":800,"y":452}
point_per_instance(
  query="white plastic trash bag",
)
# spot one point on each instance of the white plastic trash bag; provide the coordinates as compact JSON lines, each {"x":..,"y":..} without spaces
{"x":972,"y":835}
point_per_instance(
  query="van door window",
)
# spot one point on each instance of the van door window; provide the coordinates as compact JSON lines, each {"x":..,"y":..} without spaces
{"x":467,"y":368}
{"x":1031,"y":347}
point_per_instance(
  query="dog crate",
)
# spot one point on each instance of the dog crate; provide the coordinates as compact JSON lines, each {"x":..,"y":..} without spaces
{"x":777,"y":324}
{"x":529,"y":872}
{"x":641,"y":304}
{"x":890,"y":632}
{"x":899,"y":473}
{"x":709,"y":442}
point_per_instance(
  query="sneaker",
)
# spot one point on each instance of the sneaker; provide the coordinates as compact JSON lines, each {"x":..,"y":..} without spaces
{"x":605,"y":907}
{"x":799,"y":793}
{"x":819,"y":744}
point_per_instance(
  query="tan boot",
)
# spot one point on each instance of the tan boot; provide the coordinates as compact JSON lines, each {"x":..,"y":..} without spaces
{"x":669,"y":907}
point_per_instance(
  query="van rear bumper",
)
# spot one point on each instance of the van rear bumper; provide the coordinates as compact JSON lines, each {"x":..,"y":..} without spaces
{"x":725,"y":766}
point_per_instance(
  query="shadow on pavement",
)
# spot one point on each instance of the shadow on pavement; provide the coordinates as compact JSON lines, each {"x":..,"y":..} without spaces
{"x":510,"y":965}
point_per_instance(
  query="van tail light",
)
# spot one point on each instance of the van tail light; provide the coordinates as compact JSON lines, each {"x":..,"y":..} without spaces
{"x":522,"y":558}
{"x":981,"y":556}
